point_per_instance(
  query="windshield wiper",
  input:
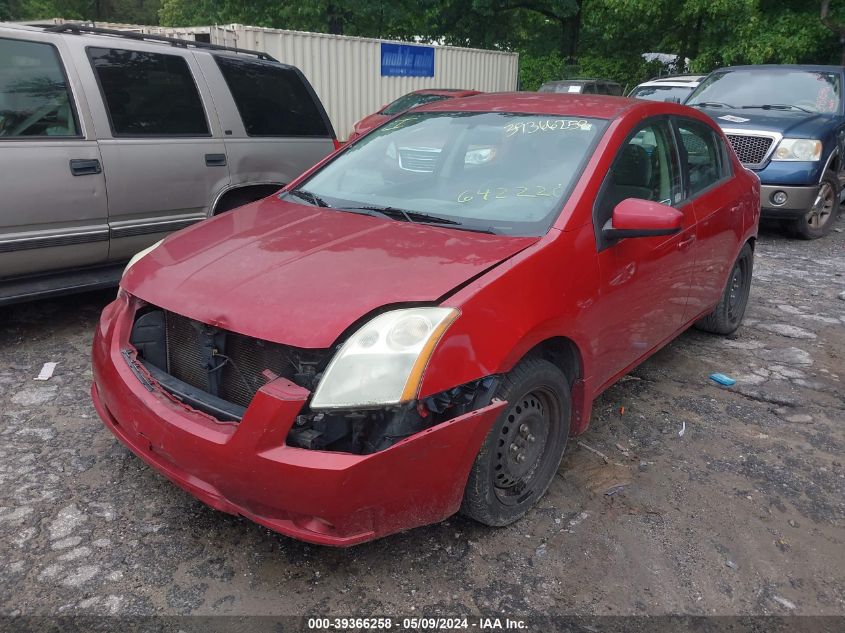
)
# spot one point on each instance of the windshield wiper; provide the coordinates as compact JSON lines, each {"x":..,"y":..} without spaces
{"x":314,"y":199}
{"x":778,"y":106}
{"x":711,"y":104}
{"x":465,"y":227}
{"x":416,"y":217}
{"x":407,"y":216}
{"x":384,"y":212}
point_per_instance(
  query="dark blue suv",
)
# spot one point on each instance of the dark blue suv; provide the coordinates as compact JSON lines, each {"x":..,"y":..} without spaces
{"x":787,"y":124}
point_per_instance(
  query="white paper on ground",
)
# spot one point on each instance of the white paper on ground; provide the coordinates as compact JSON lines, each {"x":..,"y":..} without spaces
{"x":46,"y":371}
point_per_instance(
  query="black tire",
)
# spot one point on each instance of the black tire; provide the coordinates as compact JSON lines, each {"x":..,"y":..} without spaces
{"x":821,"y":217}
{"x":501,"y":488}
{"x":728,"y":315}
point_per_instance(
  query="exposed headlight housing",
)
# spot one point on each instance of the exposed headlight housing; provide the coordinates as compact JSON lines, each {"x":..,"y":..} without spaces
{"x":137,"y":256}
{"x":804,"y":149}
{"x":383,"y":362}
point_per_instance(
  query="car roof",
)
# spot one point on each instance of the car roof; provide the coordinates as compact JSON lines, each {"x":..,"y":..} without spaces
{"x":669,"y":84}
{"x":106,"y":37}
{"x":597,"y":106}
{"x":14,"y":26}
{"x":808,"y":67}
{"x":446,"y":92}
{"x":578,"y":81}
{"x":679,"y":79}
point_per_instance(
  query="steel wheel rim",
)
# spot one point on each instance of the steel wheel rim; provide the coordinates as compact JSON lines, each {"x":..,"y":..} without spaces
{"x":737,"y":290}
{"x":823,"y":206}
{"x":522,"y":449}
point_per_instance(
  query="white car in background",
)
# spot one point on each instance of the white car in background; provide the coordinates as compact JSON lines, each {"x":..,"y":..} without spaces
{"x":672,"y":88}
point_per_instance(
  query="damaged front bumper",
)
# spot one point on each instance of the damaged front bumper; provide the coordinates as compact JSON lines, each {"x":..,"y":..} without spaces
{"x":246,"y":468}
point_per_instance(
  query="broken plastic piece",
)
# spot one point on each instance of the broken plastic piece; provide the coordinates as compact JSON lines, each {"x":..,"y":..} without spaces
{"x":722,"y":379}
{"x":269,"y":375}
{"x":46,"y":371}
{"x":683,"y":429}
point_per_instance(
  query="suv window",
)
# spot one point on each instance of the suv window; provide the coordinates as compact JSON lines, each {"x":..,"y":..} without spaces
{"x":148,"y":94}
{"x":645,"y":168}
{"x":703,"y":154}
{"x":273,"y":100}
{"x":34,"y":95}
{"x":614,"y":89}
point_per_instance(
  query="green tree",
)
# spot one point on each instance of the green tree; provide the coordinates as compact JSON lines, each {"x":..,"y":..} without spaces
{"x":401,"y":18}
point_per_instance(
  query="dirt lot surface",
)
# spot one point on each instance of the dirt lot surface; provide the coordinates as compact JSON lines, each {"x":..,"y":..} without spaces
{"x":712,"y":500}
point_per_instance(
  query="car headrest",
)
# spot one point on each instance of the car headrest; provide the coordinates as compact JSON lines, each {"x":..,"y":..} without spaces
{"x":633,"y":168}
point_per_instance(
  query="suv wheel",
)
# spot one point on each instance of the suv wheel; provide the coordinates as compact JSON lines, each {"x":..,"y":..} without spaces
{"x":820,"y":218}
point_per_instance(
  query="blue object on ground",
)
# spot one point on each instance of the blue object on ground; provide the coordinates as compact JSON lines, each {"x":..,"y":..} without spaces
{"x":722,"y":379}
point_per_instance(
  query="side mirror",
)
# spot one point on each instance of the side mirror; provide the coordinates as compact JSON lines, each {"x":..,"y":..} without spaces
{"x":642,"y":218}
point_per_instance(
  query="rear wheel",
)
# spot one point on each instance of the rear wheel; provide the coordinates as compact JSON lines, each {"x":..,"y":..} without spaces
{"x":522,"y":452}
{"x":819,"y":220}
{"x":728,"y":315}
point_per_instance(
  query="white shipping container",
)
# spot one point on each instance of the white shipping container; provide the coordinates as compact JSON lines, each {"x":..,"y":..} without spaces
{"x":346,"y":71}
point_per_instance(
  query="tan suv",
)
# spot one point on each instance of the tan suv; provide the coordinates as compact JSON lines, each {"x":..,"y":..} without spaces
{"x":110,"y":140}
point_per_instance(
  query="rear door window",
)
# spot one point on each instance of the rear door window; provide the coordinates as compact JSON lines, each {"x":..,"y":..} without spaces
{"x":34,"y":95}
{"x":273,"y":100}
{"x":148,"y":94}
{"x":703,"y":155}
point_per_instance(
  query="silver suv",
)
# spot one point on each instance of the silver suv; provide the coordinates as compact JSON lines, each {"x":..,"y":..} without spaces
{"x":110,"y":140}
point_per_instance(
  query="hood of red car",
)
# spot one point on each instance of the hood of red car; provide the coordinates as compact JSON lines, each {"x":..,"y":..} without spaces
{"x":301,"y":275}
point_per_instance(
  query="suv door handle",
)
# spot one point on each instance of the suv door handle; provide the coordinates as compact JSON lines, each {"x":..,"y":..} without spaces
{"x":215,"y":160}
{"x":85,"y":166}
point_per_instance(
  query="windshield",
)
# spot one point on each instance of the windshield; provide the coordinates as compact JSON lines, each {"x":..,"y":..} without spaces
{"x":661,"y":93}
{"x":792,"y":88}
{"x":409,"y":101}
{"x":490,"y":171}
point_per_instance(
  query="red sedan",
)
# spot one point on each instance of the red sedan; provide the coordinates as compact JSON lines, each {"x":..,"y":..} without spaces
{"x":405,"y":103}
{"x":418,"y":324}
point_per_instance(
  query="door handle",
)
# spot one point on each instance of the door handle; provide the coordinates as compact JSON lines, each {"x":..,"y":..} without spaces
{"x":215,"y":160}
{"x":684,"y":244}
{"x":85,"y":166}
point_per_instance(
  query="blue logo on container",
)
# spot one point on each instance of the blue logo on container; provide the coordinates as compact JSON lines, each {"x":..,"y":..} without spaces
{"x":402,"y":60}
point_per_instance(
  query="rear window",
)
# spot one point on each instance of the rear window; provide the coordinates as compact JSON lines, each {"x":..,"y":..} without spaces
{"x":273,"y":100}
{"x":148,"y":94}
{"x":411,"y":100}
{"x":562,"y":87}
{"x":661,"y":93}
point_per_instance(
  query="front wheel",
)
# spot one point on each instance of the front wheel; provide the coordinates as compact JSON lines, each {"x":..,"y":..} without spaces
{"x":727,"y":316}
{"x":522,"y":452}
{"x":819,"y":220}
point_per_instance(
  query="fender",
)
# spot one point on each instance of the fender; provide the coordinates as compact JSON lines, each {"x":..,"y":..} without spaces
{"x":240,"y":185}
{"x":827,"y":164}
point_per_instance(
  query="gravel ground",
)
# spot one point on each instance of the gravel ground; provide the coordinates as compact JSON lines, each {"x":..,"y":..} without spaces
{"x":743,"y":513}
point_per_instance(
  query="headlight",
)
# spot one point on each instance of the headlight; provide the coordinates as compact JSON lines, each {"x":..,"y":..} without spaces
{"x":798,"y":149}
{"x":480,"y":156}
{"x":383,"y":362}
{"x":140,"y":254}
